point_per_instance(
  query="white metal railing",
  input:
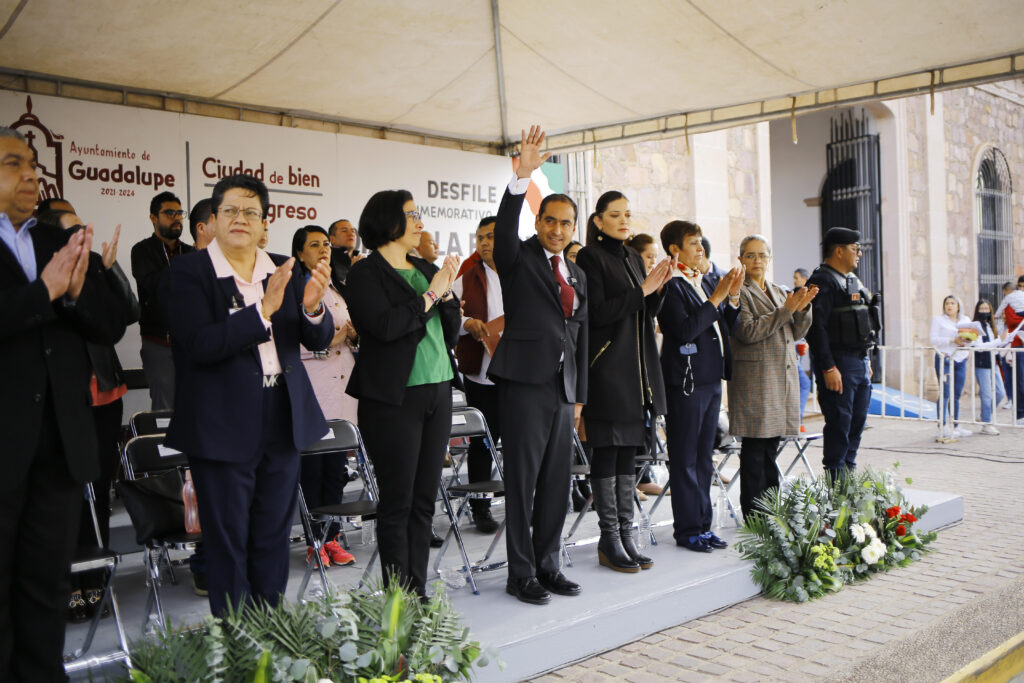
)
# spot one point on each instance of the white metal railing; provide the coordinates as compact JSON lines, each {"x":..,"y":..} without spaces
{"x":915,"y":377}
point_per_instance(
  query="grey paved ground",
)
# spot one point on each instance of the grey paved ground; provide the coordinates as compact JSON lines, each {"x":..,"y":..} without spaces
{"x":920,"y":623}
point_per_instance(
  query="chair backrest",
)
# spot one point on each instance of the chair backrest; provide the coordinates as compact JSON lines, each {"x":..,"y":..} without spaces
{"x":144,"y":455}
{"x":342,"y":435}
{"x":458,"y":399}
{"x":467,"y":422}
{"x":148,"y":422}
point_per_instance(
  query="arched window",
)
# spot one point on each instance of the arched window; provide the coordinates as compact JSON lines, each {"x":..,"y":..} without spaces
{"x":992,"y":191}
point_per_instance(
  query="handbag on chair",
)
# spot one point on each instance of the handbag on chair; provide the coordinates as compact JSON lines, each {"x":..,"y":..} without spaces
{"x":154,"y":504}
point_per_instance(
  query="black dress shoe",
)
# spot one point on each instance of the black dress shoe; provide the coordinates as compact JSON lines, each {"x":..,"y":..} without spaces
{"x":714,"y":541}
{"x":528,"y":590}
{"x":558,"y":584}
{"x":695,"y":543}
{"x":435,"y":540}
{"x":484,"y":520}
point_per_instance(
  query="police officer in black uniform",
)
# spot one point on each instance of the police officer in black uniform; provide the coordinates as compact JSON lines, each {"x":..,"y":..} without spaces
{"x":845,"y":327}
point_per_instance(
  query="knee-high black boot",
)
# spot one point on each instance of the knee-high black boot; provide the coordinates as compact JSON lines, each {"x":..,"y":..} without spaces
{"x":610,"y":552}
{"x":625,"y":484}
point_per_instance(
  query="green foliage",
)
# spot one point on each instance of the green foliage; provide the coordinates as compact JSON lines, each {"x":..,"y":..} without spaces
{"x":375,"y":634}
{"x":815,"y":536}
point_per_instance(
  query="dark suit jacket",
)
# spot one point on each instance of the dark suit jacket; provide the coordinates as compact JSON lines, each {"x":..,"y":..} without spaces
{"x":149,"y":263}
{"x":687,"y":324}
{"x":537,"y":334}
{"x":218,"y":406}
{"x":624,"y":375}
{"x":391,"y":321}
{"x":43,"y":345}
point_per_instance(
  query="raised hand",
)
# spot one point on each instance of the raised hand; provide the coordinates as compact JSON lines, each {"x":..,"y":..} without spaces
{"x":737,"y":283}
{"x":274,"y":293}
{"x":316,"y":286}
{"x":530,"y":157}
{"x":730,"y":281}
{"x":659,"y":275}
{"x":443,"y":278}
{"x":77,"y":280}
{"x":56,"y":274}
{"x":110,"y":249}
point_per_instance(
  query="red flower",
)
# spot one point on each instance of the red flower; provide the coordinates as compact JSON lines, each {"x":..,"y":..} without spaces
{"x":901,"y":530}
{"x":907,"y":517}
{"x":892,"y":512}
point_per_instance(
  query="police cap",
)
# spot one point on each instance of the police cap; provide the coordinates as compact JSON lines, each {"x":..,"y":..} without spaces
{"x":837,"y":237}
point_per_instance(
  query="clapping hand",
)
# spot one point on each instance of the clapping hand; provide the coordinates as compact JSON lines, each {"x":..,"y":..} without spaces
{"x":530,"y":158}
{"x":110,"y":249}
{"x":316,"y":286}
{"x":729,"y":285}
{"x":65,"y":271}
{"x":659,"y":275}
{"x":799,"y":299}
{"x":443,"y":278}
{"x":274,"y":293}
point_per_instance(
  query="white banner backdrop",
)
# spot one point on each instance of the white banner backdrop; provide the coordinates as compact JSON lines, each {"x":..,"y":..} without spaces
{"x":109,"y":161}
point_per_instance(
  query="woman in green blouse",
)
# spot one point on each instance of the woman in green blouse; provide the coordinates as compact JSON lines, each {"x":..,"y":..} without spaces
{"x":408,"y":322}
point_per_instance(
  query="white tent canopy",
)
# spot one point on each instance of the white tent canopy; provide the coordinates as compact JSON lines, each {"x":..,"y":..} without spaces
{"x":477,"y":71}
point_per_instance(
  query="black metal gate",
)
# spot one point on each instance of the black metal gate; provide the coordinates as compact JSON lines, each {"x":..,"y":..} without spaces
{"x":851,"y":195}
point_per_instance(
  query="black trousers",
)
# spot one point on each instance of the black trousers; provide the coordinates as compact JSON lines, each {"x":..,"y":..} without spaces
{"x":845,"y":413}
{"x":691,"y":425}
{"x":483,"y":397}
{"x":537,"y":424}
{"x":758,"y":471}
{"x":246,"y":510}
{"x":406,"y":444}
{"x":107,"y":419}
{"x":38,"y":527}
{"x":323,"y":478}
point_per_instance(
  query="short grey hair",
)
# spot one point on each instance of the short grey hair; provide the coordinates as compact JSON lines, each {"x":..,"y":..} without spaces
{"x":751,"y":238}
{"x":11,"y":133}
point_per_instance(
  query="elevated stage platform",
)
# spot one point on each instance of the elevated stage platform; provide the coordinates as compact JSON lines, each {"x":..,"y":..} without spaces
{"x":613,"y":609}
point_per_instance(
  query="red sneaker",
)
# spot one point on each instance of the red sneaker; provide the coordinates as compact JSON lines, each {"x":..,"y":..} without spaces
{"x":338,"y":555}
{"x":325,"y":559}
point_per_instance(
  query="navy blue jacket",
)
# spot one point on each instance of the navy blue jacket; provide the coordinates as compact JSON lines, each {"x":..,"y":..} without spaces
{"x":687,"y":324}
{"x":218,"y":406}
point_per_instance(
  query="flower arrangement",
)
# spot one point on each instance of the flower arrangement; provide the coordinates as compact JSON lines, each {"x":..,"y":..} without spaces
{"x":375,"y":634}
{"x":812,"y":537}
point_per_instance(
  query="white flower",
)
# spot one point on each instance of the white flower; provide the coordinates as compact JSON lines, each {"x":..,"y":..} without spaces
{"x":870,"y":530}
{"x":873,"y":551}
{"x":858,"y":532}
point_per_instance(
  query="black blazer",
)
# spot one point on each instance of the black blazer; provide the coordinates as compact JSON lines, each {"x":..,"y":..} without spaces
{"x":105,"y":363}
{"x":688,"y":327}
{"x":43,"y":344}
{"x":218,"y":404}
{"x":624,"y":375}
{"x":537,"y":334}
{"x":149,"y":263}
{"x":389,"y":317}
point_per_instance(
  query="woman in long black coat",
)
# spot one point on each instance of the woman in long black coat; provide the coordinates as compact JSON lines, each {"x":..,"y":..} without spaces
{"x":626,"y":389}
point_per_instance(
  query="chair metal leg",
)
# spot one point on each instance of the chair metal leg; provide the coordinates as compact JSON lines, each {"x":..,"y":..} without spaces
{"x":458,"y":538}
{"x":369,"y":566}
{"x":153,"y":600}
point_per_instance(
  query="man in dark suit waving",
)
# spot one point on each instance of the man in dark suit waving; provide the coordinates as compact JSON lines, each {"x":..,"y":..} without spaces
{"x":52,"y":300}
{"x":695,"y":357}
{"x":540,"y":365}
{"x":244,"y":407}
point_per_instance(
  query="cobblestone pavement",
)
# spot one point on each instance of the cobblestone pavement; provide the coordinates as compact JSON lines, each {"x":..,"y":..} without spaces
{"x":920,"y":623}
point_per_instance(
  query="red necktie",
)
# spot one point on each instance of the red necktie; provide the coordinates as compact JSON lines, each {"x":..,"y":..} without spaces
{"x":566,"y":293}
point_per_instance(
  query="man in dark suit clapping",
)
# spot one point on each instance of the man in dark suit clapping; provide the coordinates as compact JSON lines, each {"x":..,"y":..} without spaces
{"x":52,"y":300}
{"x":695,"y":357}
{"x":540,"y":365}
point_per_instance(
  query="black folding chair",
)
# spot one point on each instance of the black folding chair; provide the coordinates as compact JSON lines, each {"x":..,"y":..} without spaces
{"x":467,"y":423}
{"x":145,"y":456}
{"x":149,"y":422}
{"x":579,"y":470}
{"x":98,"y":558}
{"x":342,"y":437}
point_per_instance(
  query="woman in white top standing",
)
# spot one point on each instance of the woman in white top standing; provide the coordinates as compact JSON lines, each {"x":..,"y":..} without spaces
{"x":951,"y":359}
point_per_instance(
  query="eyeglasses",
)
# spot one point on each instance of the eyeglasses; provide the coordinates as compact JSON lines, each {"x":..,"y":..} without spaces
{"x":757,"y":257}
{"x":231,"y":212}
{"x":855,"y":248}
{"x":415,"y":215}
{"x":173,"y":214}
